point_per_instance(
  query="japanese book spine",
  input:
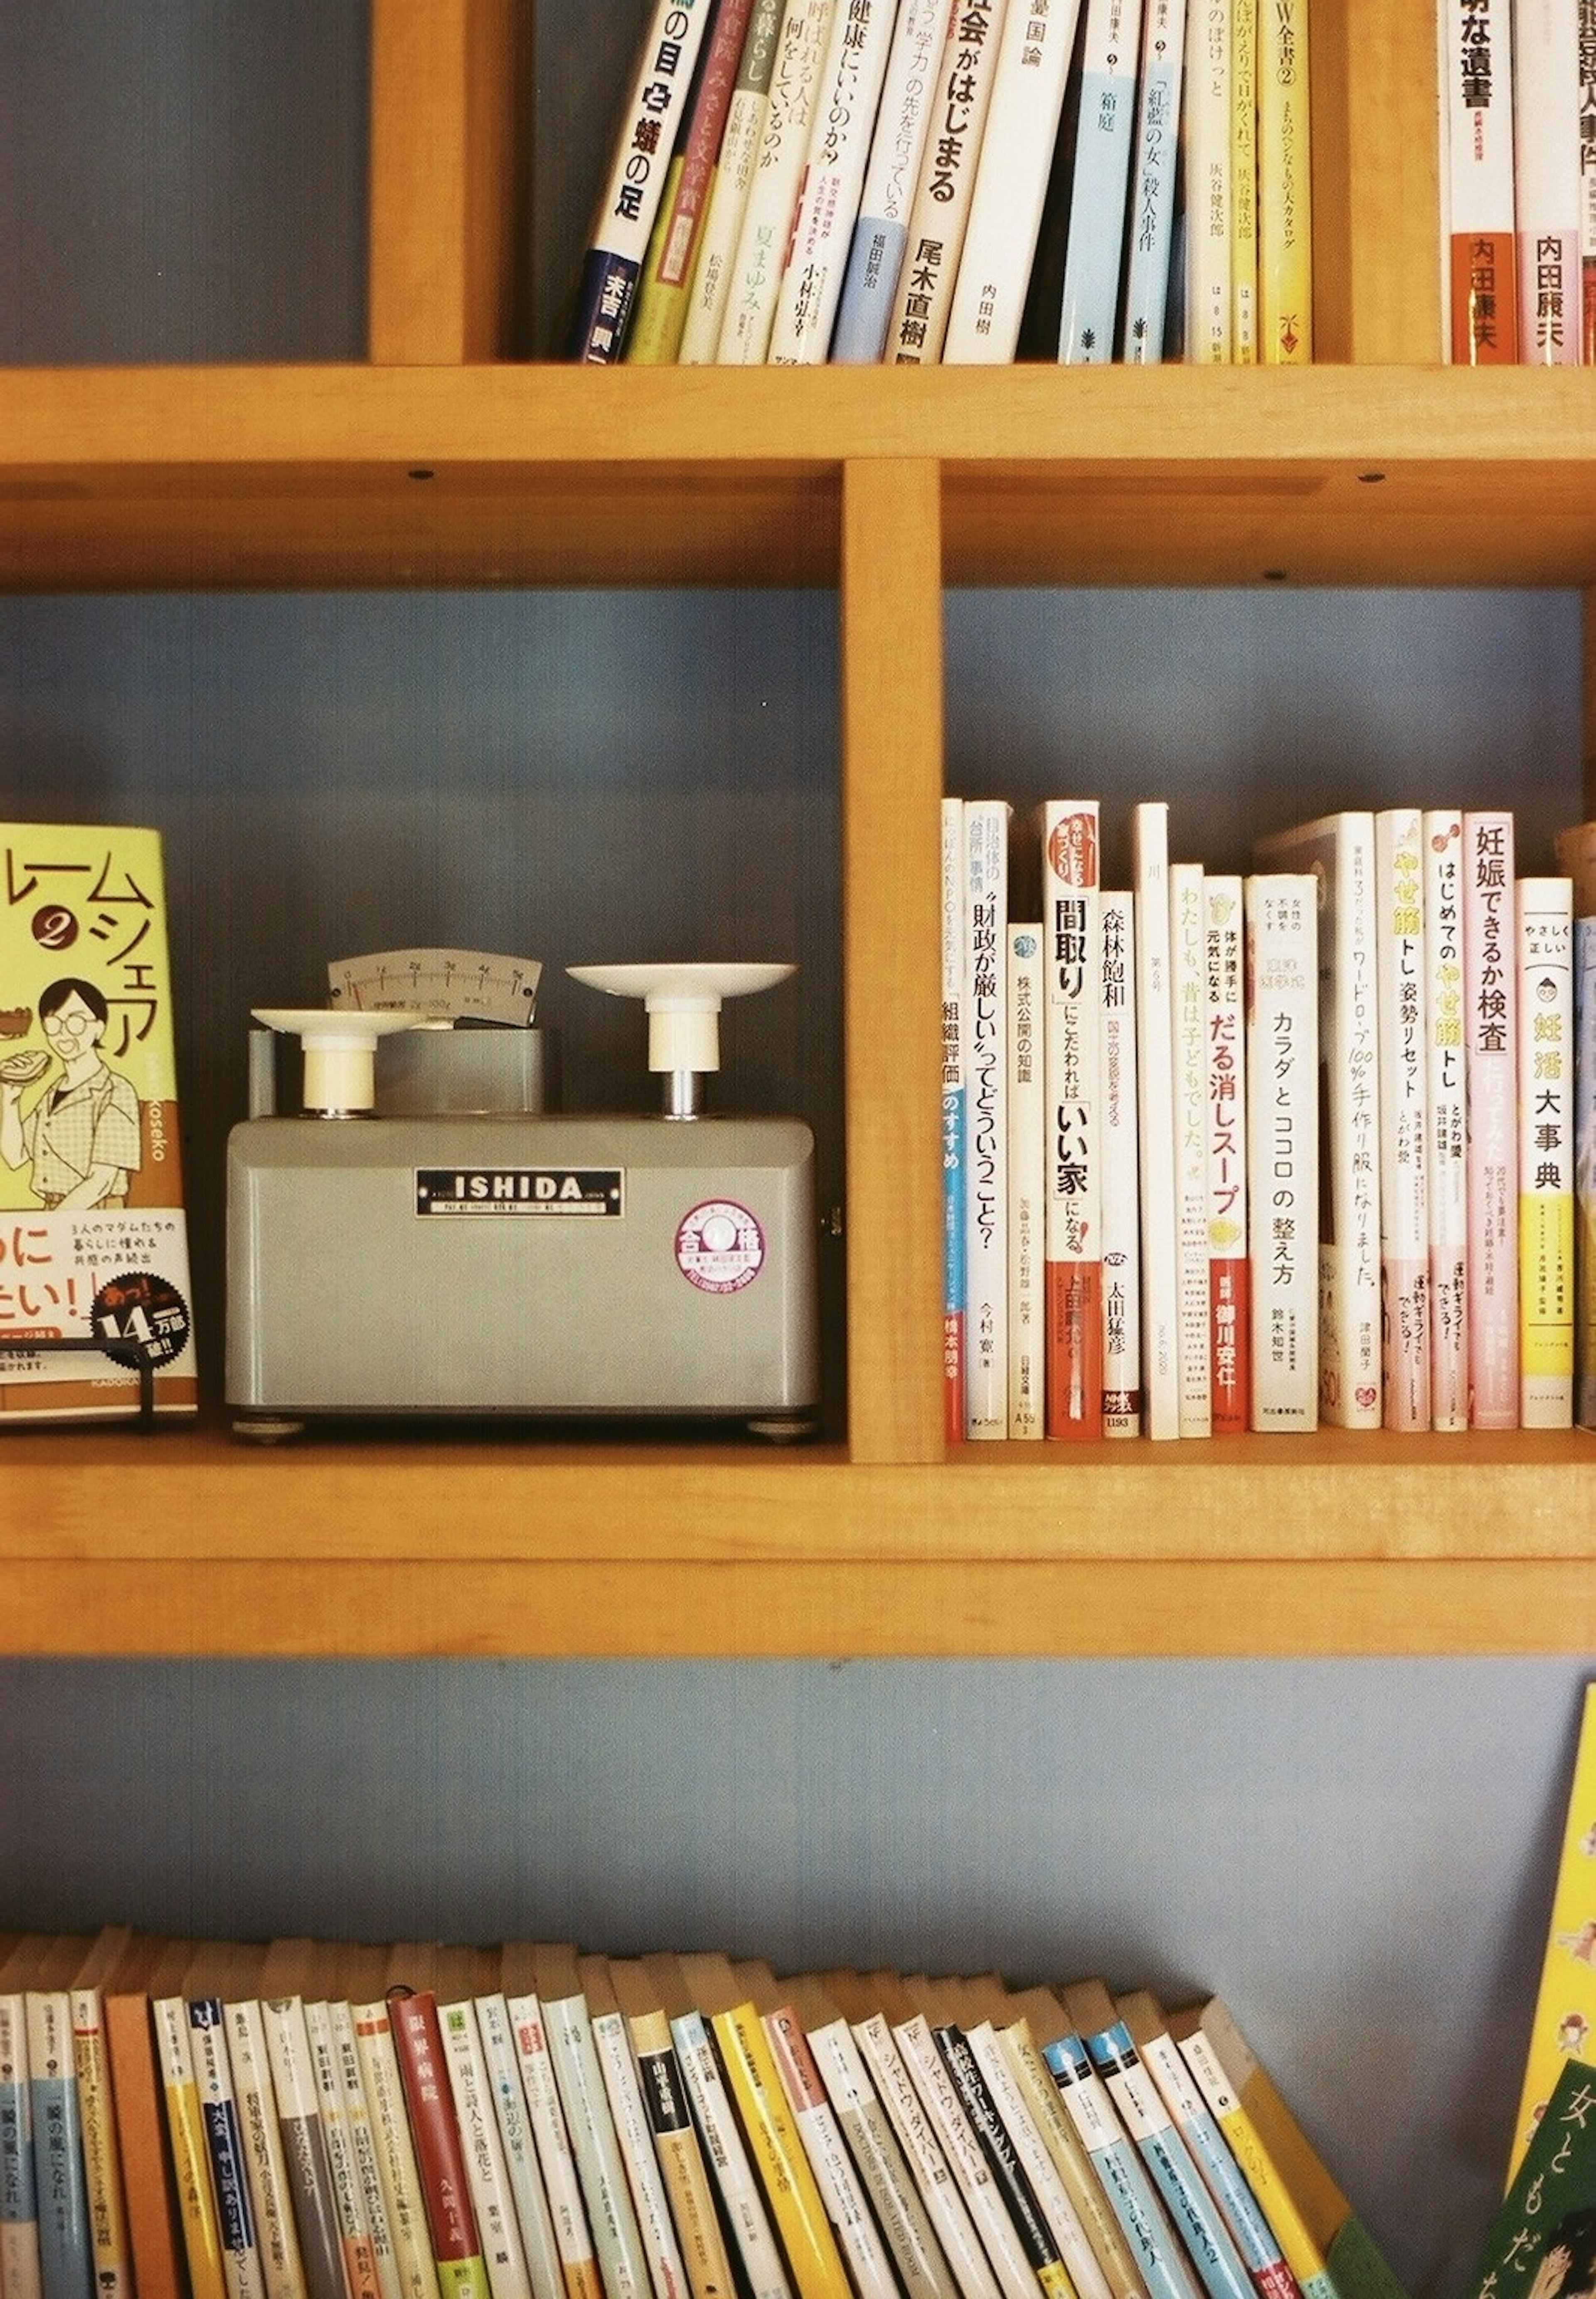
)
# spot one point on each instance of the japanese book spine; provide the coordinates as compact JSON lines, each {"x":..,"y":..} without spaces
{"x":355,"y":2244}
{"x":852,"y":2225}
{"x":1539,"y":2234}
{"x":1153,"y":2244}
{"x":925,"y":2157}
{"x":1010,"y":2185}
{"x":954,"y":1109}
{"x":1072,"y":1078}
{"x":939,"y":215}
{"x":281,"y":2266}
{"x":633,"y":2135}
{"x":1400,"y":970}
{"x":1338,"y":850}
{"x":1095,"y":243}
{"x":682,"y":2166}
{"x":986,"y":1119}
{"x":1304,"y":2260}
{"x":728,"y":191}
{"x":776,"y":2152}
{"x":304,"y":2146}
{"x":1027,"y":1183}
{"x":102,"y":2167}
{"x":1546,"y":149}
{"x":1491,"y":1078}
{"x":476,"y":2118}
{"x":1121,"y":1207}
{"x":1243,"y":182}
{"x":90,"y":1166}
{"x":1564,"y":2013}
{"x":972,"y":2175}
{"x":624,"y":220}
{"x":1188,"y":990}
{"x":1155,"y":1070}
{"x":154,"y":2237}
{"x":1230,"y":1323}
{"x":1256,"y":2243}
{"x":1010,"y":186}
{"x":881,"y":230}
{"x":1448,"y":1118}
{"x":1167,"y":2158}
{"x":1020,"y":2135}
{"x":722,"y":2136}
{"x":1587,"y":179}
{"x":773,"y":195}
{"x":190,"y":2158}
{"x":1284,"y":186}
{"x":502,"y":2075}
{"x":1282,"y":1160}
{"x":666,"y":285}
{"x":1211,"y":199}
{"x":1115,"y":2261}
{"x":1545,"y":921}
{"x":616,"y":2239}
{"x":20,"y":2268}
{"x":66,"y":2252}
{"x":832,"y":183}
{"x":1584,"y":1141}
{"x":556,"y":2159}
{"x":1150,"y":227}
{"x":395,"y":2151}
{"x":241,"y":2263}
{"x":363,"y":2147}
{"x":1477,"y":114}
{"x":905,"y":2225}
{"x":440,"y":2159}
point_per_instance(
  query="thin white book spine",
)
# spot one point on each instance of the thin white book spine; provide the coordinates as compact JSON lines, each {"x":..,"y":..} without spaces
{"x":281,"y":2264}
{"x":1545,"y":911}
{"x":1243,"y":182}
{"x":773,"y":195}
{"x":720,"y":2133}
{"x":1210,"y":223}
{"x":728,"y":194}
{"x":1188,"y":992}
{"x":1121,"y":1190}
{"x":1085,"y":2276}
{"x":362,"y":2145}
{"x":1150,"y":225}
{"x":1547,"y":179}
{"x":1230,"y":1325}
{"x":1448,"y":1119}
{"x":395,"y":2151}
{"x":1155,"y":1068}
{"x":101,"y":2163}
{"x":1490,"y":1059}
{"x":924,"y":2153}
{"x":954,"y":1122}
{"x":833,"y":179}
{"x":1095,"y":240}
{"x":501,"y":2079}
{"x":987,"y":2211}
{"x":939,"y":215}
{"x":550,"y":2135}
{"x":1027,"y":1183}
{"x":1010,"y":188}
{"x":503,"y":2252}
{"x":612,"y":2042}
{"x":986,"y":1126}
{"x":881,"y":232}
{"x":1282,"y":1106}
{"x":901,"y":2216}
{"x":859,"y":2241}
{"x":603,"y":2175}
{"x":1072,"y":1079}
{"x":1404,"y":1128}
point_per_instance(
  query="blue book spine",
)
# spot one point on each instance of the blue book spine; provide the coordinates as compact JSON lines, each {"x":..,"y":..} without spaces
{"x":605,"y":301}
{"x":865,"y":307}
{"x":219,"y":2111}
{"x":66,"y":2262}
{"x":1140,"y":2216}
{"x":1169,"y":2163}
{"x":1584,"y":1171}
{"x":1095,"y":244}
{"x":1152,"y":219}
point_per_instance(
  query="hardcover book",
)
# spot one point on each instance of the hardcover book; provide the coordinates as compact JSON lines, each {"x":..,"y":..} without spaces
{"x":1282,"y":1115}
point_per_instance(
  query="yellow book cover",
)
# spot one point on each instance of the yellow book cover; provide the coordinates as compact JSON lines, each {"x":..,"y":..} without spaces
{"x":190,"y":2156}
{"x":1564,"y":2024}
{"x":94,"y":1252}
{"x":1546,"y":1093}
{"x":1284,"y":194}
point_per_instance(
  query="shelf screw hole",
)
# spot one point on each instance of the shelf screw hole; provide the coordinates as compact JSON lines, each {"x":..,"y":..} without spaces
{"x":1370,"y":478}
{"x":1273,"y":574}
{"x":422,"y":473}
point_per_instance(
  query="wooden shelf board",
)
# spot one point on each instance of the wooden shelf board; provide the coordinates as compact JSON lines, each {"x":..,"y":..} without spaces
{"x":299,"y":477}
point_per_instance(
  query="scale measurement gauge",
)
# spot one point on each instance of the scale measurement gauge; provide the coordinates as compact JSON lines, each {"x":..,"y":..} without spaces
{"x":456,"y":985}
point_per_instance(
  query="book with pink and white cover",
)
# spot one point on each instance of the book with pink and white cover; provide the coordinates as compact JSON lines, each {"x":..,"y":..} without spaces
{"x":1546,"y":148}
{"x":1188,"y":990}
{"x":1490,"y":1067}
{"x":1283,"y":1062}
{"x":1028,"y":1182}
{"x":1230,"y":1351}
{"x":1121,"y":1189}
{"x":986,"y":1117}
{"x":1448,"y":1119}
{"x":1404,"y":1121}
{"x":1072,"y":1059}
{"x":1544,"y":912}
{"x":1155,"y":1071}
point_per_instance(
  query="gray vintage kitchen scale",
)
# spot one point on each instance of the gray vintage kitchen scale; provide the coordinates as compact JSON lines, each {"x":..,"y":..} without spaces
{"x":425,"y":1235}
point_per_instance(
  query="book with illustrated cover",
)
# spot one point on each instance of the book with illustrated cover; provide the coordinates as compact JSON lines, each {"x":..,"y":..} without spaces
{"x":1542,"y":2242}
{"x":1230,"y":1323}
{"x":1563,"y":2024}
{"x":1545,"y":916}
{"x":1283,"y":1062}
{"x":1476,"y":113}
{"x":91,"y":1185}
{"x":1491,"y":1070}
{"x":1447,"y":1118}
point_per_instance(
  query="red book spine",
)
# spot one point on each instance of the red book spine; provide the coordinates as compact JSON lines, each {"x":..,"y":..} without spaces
{"x":440,"y":2159}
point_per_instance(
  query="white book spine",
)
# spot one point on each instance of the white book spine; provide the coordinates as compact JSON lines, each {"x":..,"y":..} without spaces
{"x":1210,"y":223}
{"x":1150,"y":224}
{"x":615,"y":2231}
{"x":940,"y":213}
{"x":987,"y":2211}
{"x":833,"y":179}
{"x":1155,"y":1069}
{"x":395,"y":2151}
{"x":773,"y":195}
{"x":354,"y":2235}
{"x":281,"y":2264}
{"x":729,"y":195}
{"x":1478,"y":119}
{"x":556,"y":2158}
{"x":1010,"y":187}
{"x":1072,"y":1075}
{"x":722,"y":2141}
{"x":847,"y":2209}
{"x":881,"y":233}
{"x":1111,"y":56}
{"x":986,"y":1126}
{"x":362,"y":2141}
{"x":1547,"y":179}
{"x":1026,"y":1183}
{"x":1229,"y":1315}
{"x":1404,"y":1128}
{"x":611,"y":2042}
{"x":905,"y":2225}
{"x":1121,"y":1193}
{"x":1448,"y":1120}
{"x":1243,"y":182}
{"x":1546,"y":1277}
{"x":1283,"y":1108}
{"x":954,"y":1126}
{"x":926,"y":2158}
{"x":1052,"y":2198}
{"x":503,"y":2252}
{"x":1188,"y":990}
{"x":1490,"y":1059}
{"x":502,"y":2077}
{"x":1587,"y":181}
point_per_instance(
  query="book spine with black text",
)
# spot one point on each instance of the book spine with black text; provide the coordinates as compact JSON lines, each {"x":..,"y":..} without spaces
{"x":1121,"y":1185}
{"x":355,"y":2241}
{"x":682,"y":2166}
{"x":1447,"y":1177}
{"x":1283,"y":1150}
{"x":847,"y":2208}
{"x":1284,"y":185}
{"x":1100,"y":184}
{"x":1545,"y":911}
{"x":1304,"y":2262}
{"x":1150,"y":227}
{"x":102,"y":2166}
{"x":1577,"y":853}
{"x":914,"y":2129}
{"x":832,"y":182}
{"x":986,"y":823}
{"x":1027,"y":1183}
{"x":939,"y":214}
{"x":1546,"y":160}
{"x":502,"y":2074}
{"x":1490,"y":1068}
{"x":363,"y":2147}
{"x":773,"y":195}
{"x":734,"y":164}
{"x":440,"y":2158}
{"x":664,"y":290}
{"x":65,"y":2246}
{"x":634,"y":2137}
{"x":1160,"y":2261}
{"x":1400,"y":968}
{"x":395,"y":2150}
{"x":1115,"y":2264}
{"x":190,"y":2155}
{"x":776,"y":2152}
{"x":743,"y":2200}
{"x":1155,"y":1072}
{"x":241,"y":2262}
{"x":476,"y":2118}
{"x":1188,"y":994}
{"x":1243,"y":182}
{"x":1072,"y":1081}
{"x":1021,"y":2137}
{"x":1587,"y":180}
{"x":616,"y":2236}
{"x":954,"y":1107}
{"x":624,"y":220}
{"x":1211,"y":194}
{"x":1477,"y":116}
{"x":1230,"y":1323}
{"x":573,"y":2238}
{"x":19,"y":2201}
{"x":901,"y":2213}
{"x":881,"y":229}
{"x":303,"y":2147}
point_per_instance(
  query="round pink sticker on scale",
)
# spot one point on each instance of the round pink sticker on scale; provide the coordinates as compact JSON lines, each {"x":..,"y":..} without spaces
{"x":719,"y":1247}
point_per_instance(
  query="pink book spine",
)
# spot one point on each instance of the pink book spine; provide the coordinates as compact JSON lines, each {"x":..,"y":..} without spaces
{"x":1448,"y":1120}
{"x":1071,"y":1064}
{"x":1491,"y":1057}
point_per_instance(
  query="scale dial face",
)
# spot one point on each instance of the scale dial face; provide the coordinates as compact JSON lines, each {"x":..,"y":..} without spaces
{"x":447,"y":985}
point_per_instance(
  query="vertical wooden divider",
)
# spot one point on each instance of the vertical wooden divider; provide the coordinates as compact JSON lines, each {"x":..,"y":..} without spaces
{"x":1376,"y":182}
{"x":892,"y":680}
{"x":451,"y":101}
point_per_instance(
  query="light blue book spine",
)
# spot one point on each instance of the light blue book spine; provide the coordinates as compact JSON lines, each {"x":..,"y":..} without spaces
{"x":1150,"y":225}
{"x":865,"y":309}
{"x":19,"y":2206}
{"x":1134,"y":2205}
{"x":1584,"y":1171}
{"x":65,"y":2255}
{"x":1168,"y":2161}
{"x":881,"y":231}
{"x":1097,"y":204}
{"x":1255,"y":2238}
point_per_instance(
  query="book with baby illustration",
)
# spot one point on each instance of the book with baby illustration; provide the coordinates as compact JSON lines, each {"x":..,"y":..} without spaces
{"x":94,"y":1315}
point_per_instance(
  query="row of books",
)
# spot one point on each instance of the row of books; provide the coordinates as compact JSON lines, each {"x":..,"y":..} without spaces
{"x":1518,"y":180}
{"x":318,"y":2121}
{"x":958,"y":180}
{"x":1224,"y":1153}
